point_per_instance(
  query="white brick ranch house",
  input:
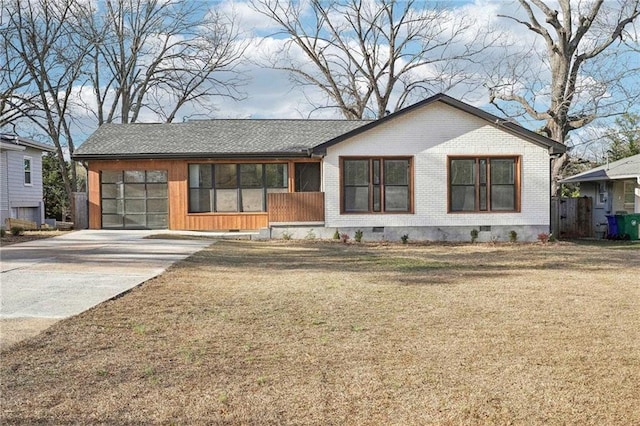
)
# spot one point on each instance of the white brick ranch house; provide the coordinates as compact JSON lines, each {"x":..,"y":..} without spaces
{"x":433,"y":171}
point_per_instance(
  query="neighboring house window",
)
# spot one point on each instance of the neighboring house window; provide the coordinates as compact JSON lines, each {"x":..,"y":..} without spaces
{"x":27,"y":170}
{"x":376,"y":185}
{"x":601,"y":199}
{"x":484,"y":184}
{"x":629,"y":195}
{"x":234,"y":187}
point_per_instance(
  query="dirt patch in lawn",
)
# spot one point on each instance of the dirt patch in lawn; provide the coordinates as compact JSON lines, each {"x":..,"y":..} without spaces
{"x":26,"y":236}
{"x":325,"y":333}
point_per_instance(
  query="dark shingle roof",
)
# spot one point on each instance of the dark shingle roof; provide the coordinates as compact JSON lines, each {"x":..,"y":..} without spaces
{"x":220,"y":138}
{"x":626,"y":168}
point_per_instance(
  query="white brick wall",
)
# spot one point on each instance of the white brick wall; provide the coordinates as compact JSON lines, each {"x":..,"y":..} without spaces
{"x":430,"y":134}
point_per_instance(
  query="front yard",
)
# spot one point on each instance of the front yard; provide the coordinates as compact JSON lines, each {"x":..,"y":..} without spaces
{"x":326,"y":333}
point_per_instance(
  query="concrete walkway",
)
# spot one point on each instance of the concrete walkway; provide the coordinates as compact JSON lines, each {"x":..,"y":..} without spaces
{"x":46,"y":280}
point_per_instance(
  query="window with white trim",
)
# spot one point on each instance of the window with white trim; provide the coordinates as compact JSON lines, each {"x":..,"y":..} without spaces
{"x":27,"y":171}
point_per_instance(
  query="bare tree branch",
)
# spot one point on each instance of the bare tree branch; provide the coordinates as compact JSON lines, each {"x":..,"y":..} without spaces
{"x":368,"y":55}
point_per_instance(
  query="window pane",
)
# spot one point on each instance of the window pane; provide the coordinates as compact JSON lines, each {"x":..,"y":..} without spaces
{"x":157,"y":176}
{"x":396,"y":198}
{"x":276,"y":175}
{"x":157,"y":221}
{"x":200,"y":176}
{"x":396,"y":172}
{"x":111,"y":176}
{"x":112,"y":221}
{"x":157,"y":206}
{"x":110,"y":190}
{"x":463,"y":172}
{"x":226,"y":200}
{"x":199,"y":200}
{"x":112,"y":206}
{"x":134,"y":176}
{"x":356,"y":199}
{"x":307,"y":177}
{"x":134,"y":190}
{"x":277,"y":190}
{"x":356,"y":172}
{"x":252,"y":200}
{"x":226,"y":177}
{"x":135,"y":221}
{"x":251,"y":175}
{"x":134,"y":206}
{"x":503,"y":197}
{"x":376,"y":199}
{"x":157,"y":190}
{"x":463,"y":198}
{"x":502,"y":171}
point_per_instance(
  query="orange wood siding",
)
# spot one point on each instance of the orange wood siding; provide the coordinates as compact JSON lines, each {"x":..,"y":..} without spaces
{"x":226,"y":221}
{"x":179,"y":218}
{"x":296,"y":207}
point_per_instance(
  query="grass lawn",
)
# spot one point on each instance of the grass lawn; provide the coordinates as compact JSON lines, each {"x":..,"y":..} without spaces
{"x":326,"y":333}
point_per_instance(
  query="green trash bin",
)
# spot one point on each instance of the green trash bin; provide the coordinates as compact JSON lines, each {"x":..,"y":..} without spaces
{"x":628,"y":224}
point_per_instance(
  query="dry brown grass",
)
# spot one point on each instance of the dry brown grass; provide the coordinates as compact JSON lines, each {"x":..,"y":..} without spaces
{"x":9,"y":239}
{"x":326,"y":333}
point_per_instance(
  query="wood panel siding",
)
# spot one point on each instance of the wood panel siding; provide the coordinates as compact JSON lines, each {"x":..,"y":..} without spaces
{"x":179,"y":218}
{"x":296,"y":207}
{"x":226,"y":221}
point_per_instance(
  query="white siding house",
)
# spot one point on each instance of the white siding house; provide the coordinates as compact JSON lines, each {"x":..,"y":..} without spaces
{"x":429,"y":136}
{"x":21,"y":179}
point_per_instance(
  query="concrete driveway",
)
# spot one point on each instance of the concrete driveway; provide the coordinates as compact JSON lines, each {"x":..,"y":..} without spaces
{"x":46,"y":280}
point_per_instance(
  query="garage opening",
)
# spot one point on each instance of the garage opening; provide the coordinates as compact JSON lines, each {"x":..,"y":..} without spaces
{"x":134,"y":199}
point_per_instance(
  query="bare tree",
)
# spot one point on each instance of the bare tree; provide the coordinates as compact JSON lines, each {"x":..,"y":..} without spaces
{"x":369,"y":57}
{"x":49,"y":58}
{"x":136,"y":56}
{"x":159,"y":56}
{"x":583,"y":72}
{"x":14,"y":103}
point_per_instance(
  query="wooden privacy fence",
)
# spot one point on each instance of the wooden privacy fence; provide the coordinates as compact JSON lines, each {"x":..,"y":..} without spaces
{"x":287,"y":207}
{"x":572,"y":217}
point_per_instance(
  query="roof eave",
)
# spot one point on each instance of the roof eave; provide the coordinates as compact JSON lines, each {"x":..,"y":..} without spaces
{"x":555,"y":148}
{"x":191,"y":155}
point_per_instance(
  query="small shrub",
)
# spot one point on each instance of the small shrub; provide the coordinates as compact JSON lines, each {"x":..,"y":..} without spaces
{"x":310,"y":235}
{"x":474,"y":235}
{"x":17,"y":231}
{"x":358,"y":236}
{"x":552,"y":238}
{"x":336,"y":235}
{"x":513,"y":236}
{"x":286,"y":235}
{"x":543,"y":237}
{"x":3,"y":232}
{"x":344,"y":237}
{"x":404,"y":238}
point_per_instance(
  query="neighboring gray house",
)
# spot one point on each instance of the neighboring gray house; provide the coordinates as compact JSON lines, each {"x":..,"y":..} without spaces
{"x":614,"y":188}
{"x":21,"y":179}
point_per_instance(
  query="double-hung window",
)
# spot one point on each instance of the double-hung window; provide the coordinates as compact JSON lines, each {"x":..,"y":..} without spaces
{"x":27,"y":170}
{"x":230,"y":187}
{"x":484,"y":184}
{"x":376,"y":185}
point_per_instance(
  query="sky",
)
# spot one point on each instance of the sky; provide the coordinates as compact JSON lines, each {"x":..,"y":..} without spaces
{"x":270,"y":93}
